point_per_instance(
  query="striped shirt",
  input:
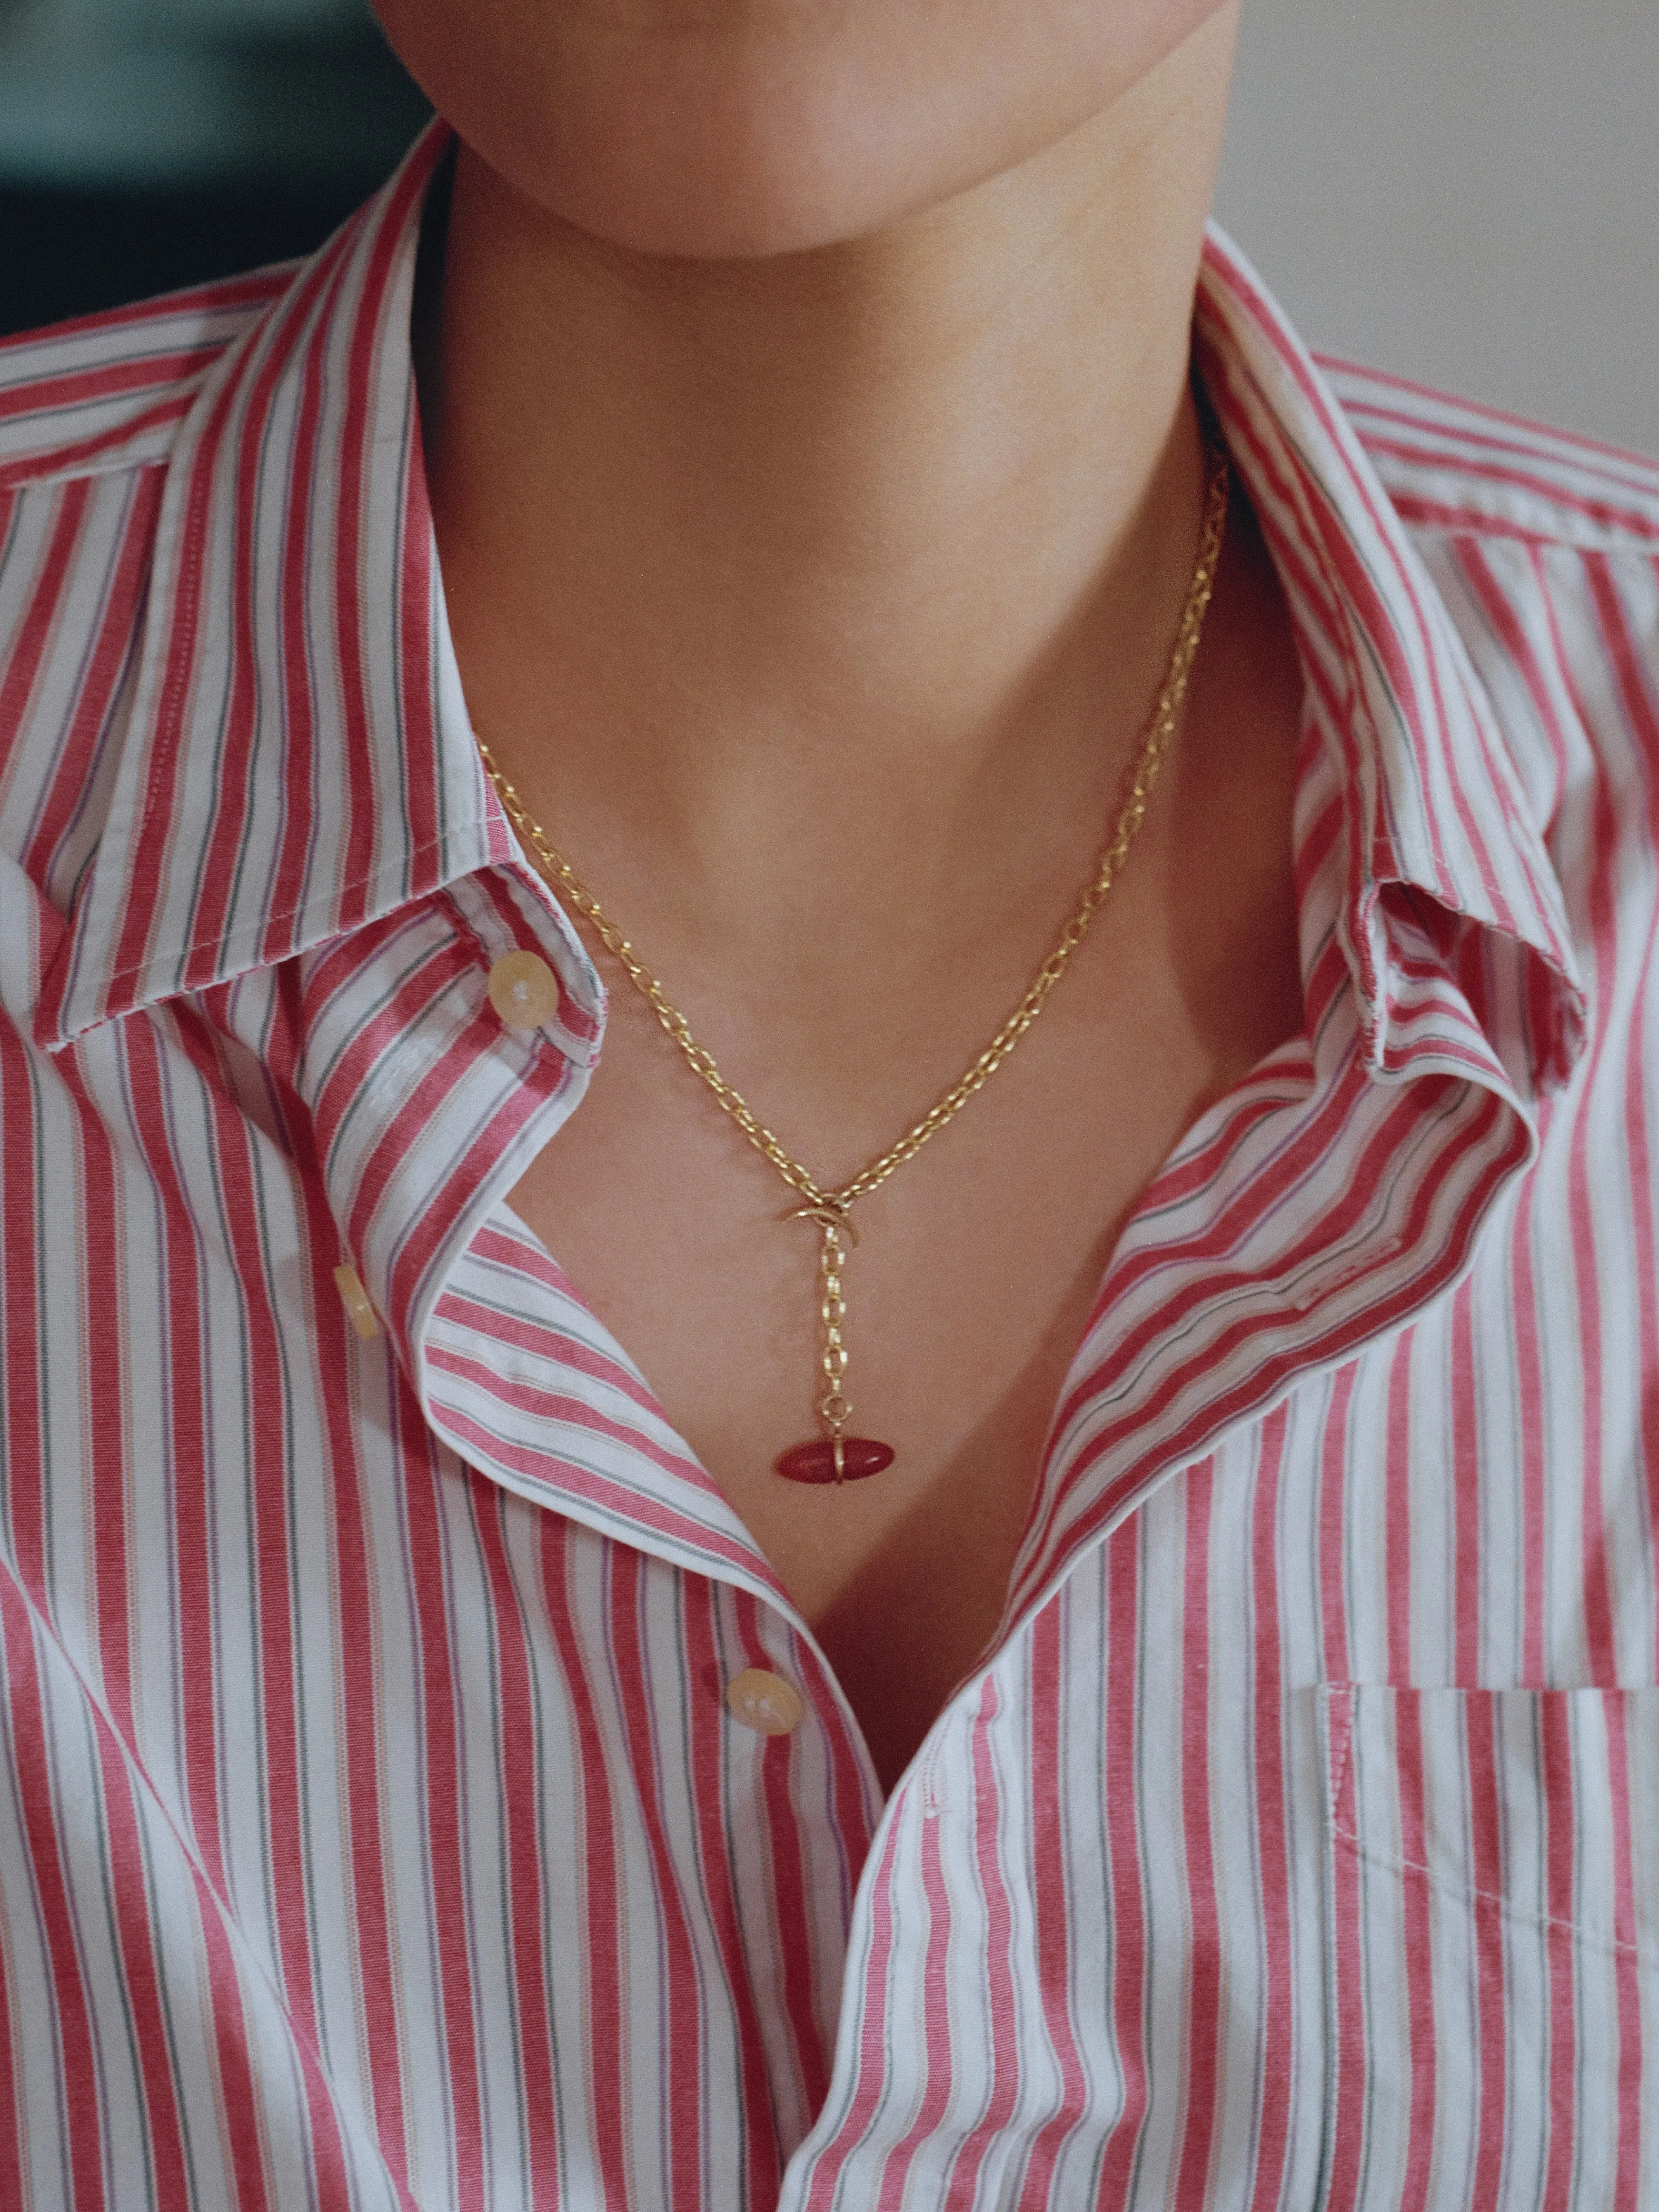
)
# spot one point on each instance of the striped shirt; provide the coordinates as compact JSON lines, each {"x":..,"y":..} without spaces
{"x":375,"y":1831}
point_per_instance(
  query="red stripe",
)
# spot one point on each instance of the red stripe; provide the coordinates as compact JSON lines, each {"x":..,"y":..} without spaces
{"x":101,"y":448}
{"x":871,"y":2064}
{"x":600,"y":1937}
{"x":1002,"y":2000}
{"x":1637,"y":693}
{"x":1534,"y":1472}
{"x":126,"y":1875}
{"x":418,"y":654}
{"x":293,"y":337}
{"x":707,"y":1754}
{"x":239,"y":2100}
{"x":522,"y":1332}
{"x":1471,"y":422}
{"x":334,"y":1351}
{"x":71,"y":2021}
{"x":1578,"y":1249}
{"x":1124,"y":1751}
{"x":1550,"y":492}
{"x":1399,"y":1509}
{"x":1206,"y":2013}
{"x":1494,"y":2000}
{"x":428,"y":980}
{"x":107,"y":665}
{"x":299,"y":707}
{"x":1338,"y":1665}
{"x":252,"y":289}
{"x":682,"y":2027}
{"x":417,"y":1256}
{"x":428,"y":1476}
{"x":933,"y":2027}
{"x":1270,"y":1364}
{"x":1417,"y":1963}
{"x":266,"y":1376}
{"x":1558,"y":1796}
{"x":522,"y":1822}
{"x":1272,"y":1826}
{"x":105,"y":380}
{"x":617,"y":1501}
{"x":1628,"y":1961}
{"x":42,"y":612}
{"x":11,"y":2052}
{"x":23,"y":1500}
{"x":1468,"y":1553}
{"x":104,"y":1441}
{"x":1346,"y":2024}
{"x":1051,"y":1906}
{"x":356,"y":434}
{"x":789,"y":1893}
{"x":172,"y":706}
{"x":185,"y":1403}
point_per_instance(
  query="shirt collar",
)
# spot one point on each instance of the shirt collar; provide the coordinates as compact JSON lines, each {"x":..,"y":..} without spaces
{"x":1440,"y":840}
{"x":300,"y":763}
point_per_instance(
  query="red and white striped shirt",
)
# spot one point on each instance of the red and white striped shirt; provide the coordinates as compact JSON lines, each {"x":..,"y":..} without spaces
{"x":375,"y":1831}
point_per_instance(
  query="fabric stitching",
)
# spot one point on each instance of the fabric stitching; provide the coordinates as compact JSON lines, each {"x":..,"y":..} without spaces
{"x":1339,"y":1766}
{"x":1611,"y":1947}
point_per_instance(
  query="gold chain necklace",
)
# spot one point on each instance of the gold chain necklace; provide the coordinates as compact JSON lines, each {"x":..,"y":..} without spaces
{"x":835,"y":1457}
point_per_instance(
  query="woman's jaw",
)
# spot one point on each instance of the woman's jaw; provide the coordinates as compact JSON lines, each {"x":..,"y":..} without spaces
{"x":741,"y":128}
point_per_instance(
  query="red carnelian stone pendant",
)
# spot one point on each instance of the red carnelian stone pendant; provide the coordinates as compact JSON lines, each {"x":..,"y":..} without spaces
{"x":815,"y":1462}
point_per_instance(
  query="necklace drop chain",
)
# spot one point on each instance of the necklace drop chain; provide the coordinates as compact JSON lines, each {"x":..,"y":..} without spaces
{"x":836,"y":1455}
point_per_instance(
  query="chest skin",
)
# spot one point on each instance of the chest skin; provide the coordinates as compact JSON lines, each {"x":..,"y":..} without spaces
{"x":978,"y":1264}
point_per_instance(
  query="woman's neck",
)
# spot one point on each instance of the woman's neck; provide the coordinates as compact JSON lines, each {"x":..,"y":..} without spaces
{"x":731,"y":547}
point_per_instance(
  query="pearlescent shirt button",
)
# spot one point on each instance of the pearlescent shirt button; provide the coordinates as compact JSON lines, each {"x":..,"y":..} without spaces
{"x":763,"y":1702}
{"x":524,"y":990}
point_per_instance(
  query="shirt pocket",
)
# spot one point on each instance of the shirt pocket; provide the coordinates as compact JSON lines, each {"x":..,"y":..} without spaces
{"x":1492,"y":1891}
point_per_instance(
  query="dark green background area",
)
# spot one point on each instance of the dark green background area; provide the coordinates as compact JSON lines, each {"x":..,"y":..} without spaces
{"x":277,"y":142}
{"x":68,"y":252}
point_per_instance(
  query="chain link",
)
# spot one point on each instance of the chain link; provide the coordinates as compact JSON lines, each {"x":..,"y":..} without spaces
{"x":828,"y":1206}
{"x":834,"y":1407}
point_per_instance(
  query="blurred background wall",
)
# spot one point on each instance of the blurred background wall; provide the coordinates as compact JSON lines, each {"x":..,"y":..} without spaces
{"x":1466,"y":190}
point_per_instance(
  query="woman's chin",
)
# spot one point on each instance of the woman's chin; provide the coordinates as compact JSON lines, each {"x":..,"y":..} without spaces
{"x":726,"y":172}
{"x":739,"y":132}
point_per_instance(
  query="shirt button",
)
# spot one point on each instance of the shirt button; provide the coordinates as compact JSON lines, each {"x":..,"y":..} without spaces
{"x":524,"y":990}
{"x":763,"y":1702}
{"x":355,"y":1298}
